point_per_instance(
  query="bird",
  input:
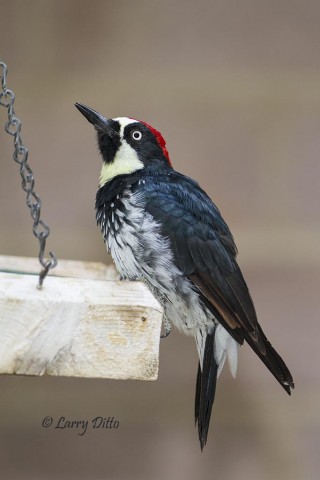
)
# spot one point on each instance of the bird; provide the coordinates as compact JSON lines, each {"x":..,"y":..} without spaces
{"x":161,"y":228}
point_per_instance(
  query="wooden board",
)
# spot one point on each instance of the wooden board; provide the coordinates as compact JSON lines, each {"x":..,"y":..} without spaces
{"x":77,"y":326}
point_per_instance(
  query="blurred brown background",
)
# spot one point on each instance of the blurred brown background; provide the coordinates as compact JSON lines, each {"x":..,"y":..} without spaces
{"x":235,"y":89}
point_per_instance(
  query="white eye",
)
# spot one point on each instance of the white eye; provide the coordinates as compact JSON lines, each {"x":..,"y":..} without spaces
{"x":136,"y":135}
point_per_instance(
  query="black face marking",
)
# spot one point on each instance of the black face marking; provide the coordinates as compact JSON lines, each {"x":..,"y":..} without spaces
{"x":139,"y":137}
{"x":108,"y":145}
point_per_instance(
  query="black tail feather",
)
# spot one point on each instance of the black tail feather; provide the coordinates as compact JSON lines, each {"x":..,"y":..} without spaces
{"x":272,"y":360}
{"x":205,"y":390}
{"x":197,"y":399}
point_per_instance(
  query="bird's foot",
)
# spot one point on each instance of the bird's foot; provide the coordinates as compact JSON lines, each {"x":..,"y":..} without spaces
{"x":122,"y":278}
{"x":166,"y":326}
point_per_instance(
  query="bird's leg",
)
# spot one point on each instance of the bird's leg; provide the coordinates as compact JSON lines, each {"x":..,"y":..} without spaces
{"x":166,"y":326}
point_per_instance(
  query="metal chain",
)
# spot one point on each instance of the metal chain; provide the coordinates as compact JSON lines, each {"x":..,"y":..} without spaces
{"x":20,"y":155}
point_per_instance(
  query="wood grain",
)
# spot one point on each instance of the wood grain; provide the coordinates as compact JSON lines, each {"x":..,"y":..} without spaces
{"x":78,"y":326}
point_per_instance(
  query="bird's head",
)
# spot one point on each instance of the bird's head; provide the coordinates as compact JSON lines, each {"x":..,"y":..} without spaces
{"x":126,"y":145}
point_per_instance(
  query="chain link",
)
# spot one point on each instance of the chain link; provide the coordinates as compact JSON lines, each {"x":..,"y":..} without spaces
{"x":20,"y":155}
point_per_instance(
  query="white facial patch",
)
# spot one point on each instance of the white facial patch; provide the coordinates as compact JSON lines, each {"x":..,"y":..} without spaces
{"x":126,"y":159}
{"x":124,"y":121}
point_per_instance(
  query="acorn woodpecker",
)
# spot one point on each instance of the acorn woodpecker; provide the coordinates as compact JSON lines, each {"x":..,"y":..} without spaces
{"x":162,"y":228}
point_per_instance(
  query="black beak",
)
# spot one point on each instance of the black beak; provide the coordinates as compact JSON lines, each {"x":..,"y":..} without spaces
{"x":99,"y":122}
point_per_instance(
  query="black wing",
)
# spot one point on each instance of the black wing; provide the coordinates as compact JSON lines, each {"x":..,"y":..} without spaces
{"x":205,"y":251}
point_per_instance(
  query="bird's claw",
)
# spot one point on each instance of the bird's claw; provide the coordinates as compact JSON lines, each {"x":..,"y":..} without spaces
{"x":167,"y":327}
